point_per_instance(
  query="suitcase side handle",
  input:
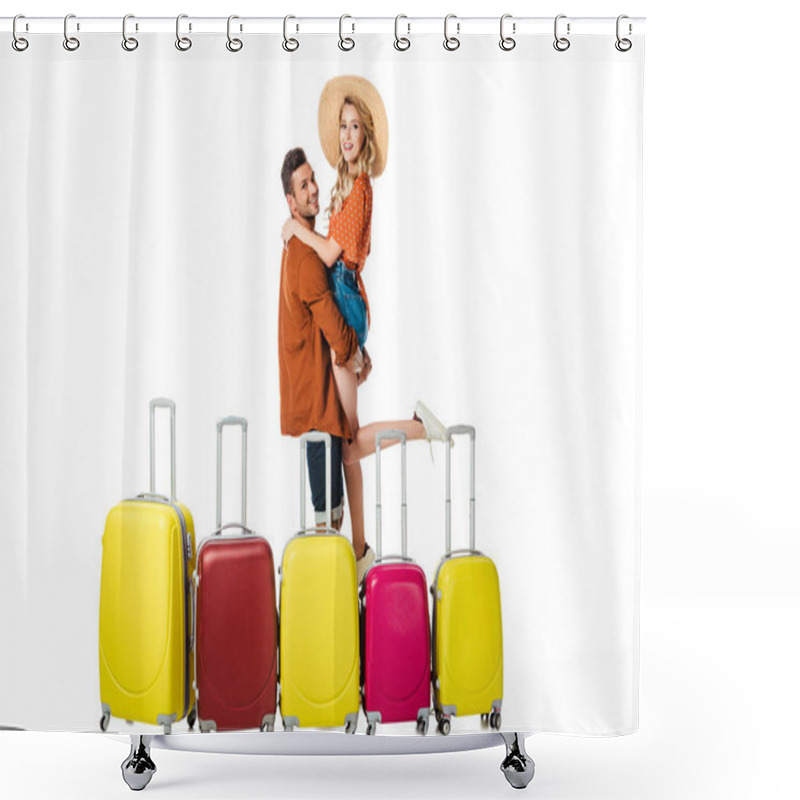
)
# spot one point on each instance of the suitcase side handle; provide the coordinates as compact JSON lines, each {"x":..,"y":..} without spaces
{"x":379,"y":438}
{"x":305,"y":439}
{"x":456,"y":430}
{"x":162,"y":402}
{"x":240,"y":422}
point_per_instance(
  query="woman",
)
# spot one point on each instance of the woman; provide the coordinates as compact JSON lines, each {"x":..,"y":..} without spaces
{"x":353,"y":131}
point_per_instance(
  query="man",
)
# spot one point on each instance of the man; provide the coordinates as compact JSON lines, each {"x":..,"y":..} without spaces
{"x":309,"y":325}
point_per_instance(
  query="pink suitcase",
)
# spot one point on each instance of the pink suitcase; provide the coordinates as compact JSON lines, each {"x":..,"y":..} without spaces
{"x":237,"y":619}
{"x":396,"y":653}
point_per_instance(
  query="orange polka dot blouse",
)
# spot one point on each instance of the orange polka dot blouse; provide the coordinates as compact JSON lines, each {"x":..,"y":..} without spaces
{"x":351,"y":227}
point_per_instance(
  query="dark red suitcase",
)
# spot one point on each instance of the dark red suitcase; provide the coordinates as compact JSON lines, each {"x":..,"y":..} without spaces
{"x":237,"y":621}
{"x":396,"y":627}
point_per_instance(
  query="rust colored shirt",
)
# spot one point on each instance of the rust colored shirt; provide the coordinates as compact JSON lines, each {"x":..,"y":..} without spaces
{"x":309,"y":325}
{"x":351,"y":228}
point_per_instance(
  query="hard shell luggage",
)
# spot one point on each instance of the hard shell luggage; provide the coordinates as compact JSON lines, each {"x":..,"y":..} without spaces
{"x":396,"y":656}
{"x":319,"y":633}
{"x":237,"y":620}
{"x":146,"y":629}
{"x":467,"y":622}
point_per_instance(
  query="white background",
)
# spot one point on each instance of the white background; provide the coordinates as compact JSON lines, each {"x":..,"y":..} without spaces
{"x":720,"y":546}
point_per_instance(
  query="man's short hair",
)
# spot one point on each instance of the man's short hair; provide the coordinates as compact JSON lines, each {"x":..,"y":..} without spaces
{"x":294,"y":160}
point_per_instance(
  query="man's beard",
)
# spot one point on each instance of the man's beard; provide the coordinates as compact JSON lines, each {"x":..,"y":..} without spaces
{"x":307,"y":212}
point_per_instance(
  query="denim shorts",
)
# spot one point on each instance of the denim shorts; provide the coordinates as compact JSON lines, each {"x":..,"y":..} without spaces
{"x":315,"y":457}
{"x":344,"y":287}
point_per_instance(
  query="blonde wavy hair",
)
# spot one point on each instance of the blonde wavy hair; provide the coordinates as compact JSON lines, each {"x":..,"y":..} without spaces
{"x":366,"y":158}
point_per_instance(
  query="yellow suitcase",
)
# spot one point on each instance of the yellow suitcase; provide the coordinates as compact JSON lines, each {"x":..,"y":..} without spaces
{"x":319,"y":630}
{"x":146,"y":608}
{"x":467,"y":623}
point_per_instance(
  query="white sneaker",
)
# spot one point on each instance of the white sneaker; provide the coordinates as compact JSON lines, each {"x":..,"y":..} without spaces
{"x":434,"y":428}
{"x":364,"y":563}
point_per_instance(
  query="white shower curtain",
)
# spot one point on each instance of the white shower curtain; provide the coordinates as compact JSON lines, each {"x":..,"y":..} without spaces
{"x":141,"y":218}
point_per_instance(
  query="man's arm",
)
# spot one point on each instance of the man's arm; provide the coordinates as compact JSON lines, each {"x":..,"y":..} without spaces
{"x":314,"y":291}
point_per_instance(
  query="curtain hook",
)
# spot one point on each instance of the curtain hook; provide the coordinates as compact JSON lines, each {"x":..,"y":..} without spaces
{"x":507,"y":42}
{"x":289,"y":45}
{"x":18,"y":43}
{"x":183,"y":43}
{"x":70,"y":42}
{"x":623,"y":45}
{"x":129,"y":43}
{"x":401,"y":43}
{"x":561,"y":43}
{"x":234,"y":45}
{"x":451,"y":42}
{"x":345,"y":43}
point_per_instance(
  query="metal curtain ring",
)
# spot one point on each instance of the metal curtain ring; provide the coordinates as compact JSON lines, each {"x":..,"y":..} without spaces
{"x":18,"y":43}
{"x":70,"y":42}
{"x":561,"y":43}
{"x":128,"y":42}
{"x":506,"y":42}
{"x":234,"y":45}
{"x":289,"y":44}
{"x":451,"y":42}
{"x":345,"y":42}
{"x":623,"y":45}
{"x":401,"y":43}
{"x":183,"y":43}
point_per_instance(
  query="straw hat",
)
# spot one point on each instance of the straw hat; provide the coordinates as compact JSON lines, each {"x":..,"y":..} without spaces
{"x":330,"y":106}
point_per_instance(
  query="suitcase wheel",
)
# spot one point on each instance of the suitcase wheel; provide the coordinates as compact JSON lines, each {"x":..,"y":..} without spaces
{"x":104,"y":720}
{"x":422,"y":726}
{"x":350,"y":727}
{"x":372,"y":728}
{"x":192,"y":718}
{"x":495,"y":720}
{"x":444,"y":726}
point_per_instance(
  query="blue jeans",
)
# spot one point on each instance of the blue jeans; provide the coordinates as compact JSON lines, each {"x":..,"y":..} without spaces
{"x":344,"y":287}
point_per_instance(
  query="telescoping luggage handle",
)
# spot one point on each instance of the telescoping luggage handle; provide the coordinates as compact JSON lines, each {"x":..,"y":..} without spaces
{"x":305,"y":439}
{"x":455,"y":430}
{"x":381,"y":437}
{"x":162,"y":402}
{"x":240,"y":422}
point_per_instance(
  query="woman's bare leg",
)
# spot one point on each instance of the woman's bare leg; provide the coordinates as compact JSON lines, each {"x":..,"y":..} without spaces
{"x":347,"y":384}
{"x":364,"y":442}
{"x":363,"y":445}
{"x":354,"y":482}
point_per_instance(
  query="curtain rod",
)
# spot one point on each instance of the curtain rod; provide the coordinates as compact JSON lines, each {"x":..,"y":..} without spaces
{"x":519,"y":26}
